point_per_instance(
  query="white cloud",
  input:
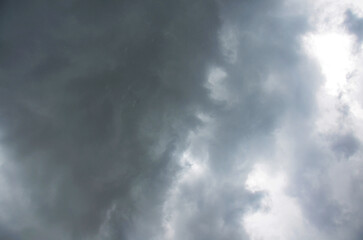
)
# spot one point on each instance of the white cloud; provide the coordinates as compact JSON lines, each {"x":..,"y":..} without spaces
{"x":279,"y":216}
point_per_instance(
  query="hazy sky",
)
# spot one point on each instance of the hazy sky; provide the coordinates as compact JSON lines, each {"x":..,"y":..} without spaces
{"x":181,"y":120}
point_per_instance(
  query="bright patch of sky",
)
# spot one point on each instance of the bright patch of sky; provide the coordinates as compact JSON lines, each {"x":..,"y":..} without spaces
{"x":334,"y":50}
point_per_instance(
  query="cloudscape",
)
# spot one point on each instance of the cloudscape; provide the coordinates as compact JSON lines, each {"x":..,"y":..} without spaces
{"x":181,"y":120}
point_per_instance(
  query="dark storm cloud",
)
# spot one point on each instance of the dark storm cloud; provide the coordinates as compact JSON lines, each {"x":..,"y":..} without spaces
{"x":6,"y":234}
{"x":354,"y":24}
{"x":98,"y":98}
{"x":99,"y":101}
{"x":95,"y":100}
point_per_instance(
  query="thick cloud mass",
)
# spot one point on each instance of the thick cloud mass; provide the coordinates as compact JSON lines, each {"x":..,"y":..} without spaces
{"x":96,"y":99}
{"x":144,"y":119}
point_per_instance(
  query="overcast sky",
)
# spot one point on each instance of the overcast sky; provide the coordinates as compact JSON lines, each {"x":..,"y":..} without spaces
{"x":181,"y":120}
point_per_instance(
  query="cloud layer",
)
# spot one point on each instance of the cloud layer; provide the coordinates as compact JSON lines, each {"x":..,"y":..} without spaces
{"x":175,"y":120}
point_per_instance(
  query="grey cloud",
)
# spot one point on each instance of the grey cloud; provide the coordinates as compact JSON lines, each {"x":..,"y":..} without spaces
{"x":324,"y":165}
{"x":7,"y":234}
{"x":347,"y":145}
{"x":96,"y":98}
{"x":354,"y":25}
{"x":99,"y":99}
{"x":243,"y":129}
{"x":326,"y":213}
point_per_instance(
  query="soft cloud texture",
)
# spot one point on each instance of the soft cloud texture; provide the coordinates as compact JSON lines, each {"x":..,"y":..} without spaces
{"x":180,"y":120}
{"x":355,"y":24}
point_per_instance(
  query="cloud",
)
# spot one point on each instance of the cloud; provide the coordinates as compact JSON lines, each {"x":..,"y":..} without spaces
{"x":130,"y":120}
{"x":354,"y":24}
{"x":96,"y":101}
{"x":346,"y":145}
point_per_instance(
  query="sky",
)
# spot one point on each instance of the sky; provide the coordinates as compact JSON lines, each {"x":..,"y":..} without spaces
{"x":181,"y":120}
